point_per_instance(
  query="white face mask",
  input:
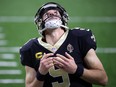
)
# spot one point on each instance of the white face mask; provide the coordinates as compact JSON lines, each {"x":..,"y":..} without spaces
{"x":53,"y":24}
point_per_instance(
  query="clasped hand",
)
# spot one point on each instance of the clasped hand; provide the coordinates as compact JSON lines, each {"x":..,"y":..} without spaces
{"x":66,"y":63}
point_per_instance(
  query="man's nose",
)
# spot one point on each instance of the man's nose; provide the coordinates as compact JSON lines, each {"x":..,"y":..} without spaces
{"x":50,"y":14}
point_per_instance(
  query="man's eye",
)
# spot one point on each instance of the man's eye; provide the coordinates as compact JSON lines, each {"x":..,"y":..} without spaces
{"x":55,"y":12}
{"x":46,"y":15}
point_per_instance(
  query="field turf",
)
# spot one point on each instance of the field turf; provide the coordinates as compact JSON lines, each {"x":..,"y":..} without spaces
{"x":17,"y":27}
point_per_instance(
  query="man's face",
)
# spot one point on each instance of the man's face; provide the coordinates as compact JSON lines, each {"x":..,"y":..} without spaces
{"x":51,"y":14}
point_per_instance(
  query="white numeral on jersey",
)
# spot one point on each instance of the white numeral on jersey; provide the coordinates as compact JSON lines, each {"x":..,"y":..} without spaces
{"x":58,"y":73}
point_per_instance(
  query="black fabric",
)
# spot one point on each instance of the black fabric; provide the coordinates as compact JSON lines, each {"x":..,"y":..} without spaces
{"x":79,"y":71}
{"x":77,"y":44}
{"x":40,"y":77}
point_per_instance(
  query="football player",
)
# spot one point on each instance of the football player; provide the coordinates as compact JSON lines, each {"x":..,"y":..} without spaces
{"x":61,"y":57}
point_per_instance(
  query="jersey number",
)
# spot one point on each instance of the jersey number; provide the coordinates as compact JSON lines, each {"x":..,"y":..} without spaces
{"x":59,"y":73}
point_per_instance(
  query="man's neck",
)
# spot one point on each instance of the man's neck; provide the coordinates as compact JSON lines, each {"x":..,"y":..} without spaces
{"x":53,"y":36}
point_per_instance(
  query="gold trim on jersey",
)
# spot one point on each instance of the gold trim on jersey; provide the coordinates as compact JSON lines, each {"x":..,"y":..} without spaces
{"x":53,"y":48}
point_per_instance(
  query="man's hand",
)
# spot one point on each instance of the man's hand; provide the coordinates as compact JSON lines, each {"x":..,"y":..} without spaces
{"x":45,"y":63}
{"x":66,"y":63}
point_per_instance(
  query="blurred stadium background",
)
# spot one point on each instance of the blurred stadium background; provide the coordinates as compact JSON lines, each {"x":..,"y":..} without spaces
{"x":17,"y":27}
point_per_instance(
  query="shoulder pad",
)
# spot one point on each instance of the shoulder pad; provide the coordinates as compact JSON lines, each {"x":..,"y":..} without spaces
{"x":28,"y":44}
{"x":79,"y":28}
{"x":80,"y":31}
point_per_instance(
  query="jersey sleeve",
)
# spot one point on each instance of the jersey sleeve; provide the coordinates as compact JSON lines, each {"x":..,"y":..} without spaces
{"x":26,"y":56}
{"x":87,"y":42}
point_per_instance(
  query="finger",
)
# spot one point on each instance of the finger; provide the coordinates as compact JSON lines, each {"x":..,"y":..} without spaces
{"x":47,"y":55}
{"x":68,"y":55}
{"x":43,"y":56}
{"x":47,"y":61}
{"x":62,"y":57}
{"x":58,"y":60}
{"x":49,"y":65}
{"x":58,"y":64}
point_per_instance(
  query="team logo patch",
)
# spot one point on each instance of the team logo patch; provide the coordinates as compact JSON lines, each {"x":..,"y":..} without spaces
{"x":38,"y":55}
{"x":70,"y":48}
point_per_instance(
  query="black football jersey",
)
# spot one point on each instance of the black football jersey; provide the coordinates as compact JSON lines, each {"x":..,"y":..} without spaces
{"x":77,"y":43}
